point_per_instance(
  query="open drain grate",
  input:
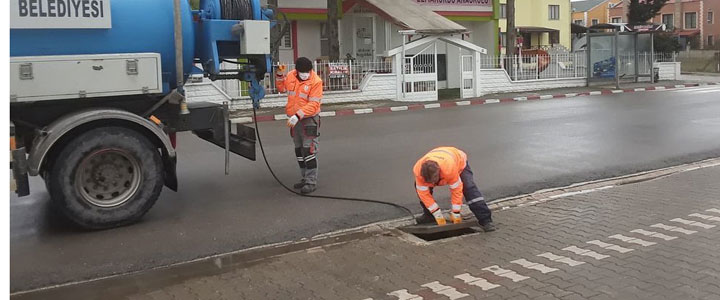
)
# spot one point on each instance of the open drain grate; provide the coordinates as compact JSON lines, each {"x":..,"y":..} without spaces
{"x":432,"y":232}
{"x":431,"y":237}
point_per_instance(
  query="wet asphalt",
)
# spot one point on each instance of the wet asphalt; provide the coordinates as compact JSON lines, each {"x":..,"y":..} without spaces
{"x":514,"y":148}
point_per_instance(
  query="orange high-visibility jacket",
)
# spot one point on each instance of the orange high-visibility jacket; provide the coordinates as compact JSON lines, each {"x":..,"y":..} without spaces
{"x":452,"y":162}
{"x":304,"y":97}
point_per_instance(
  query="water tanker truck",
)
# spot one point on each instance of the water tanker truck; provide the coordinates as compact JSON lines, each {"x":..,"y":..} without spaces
{"x":96,"y":95}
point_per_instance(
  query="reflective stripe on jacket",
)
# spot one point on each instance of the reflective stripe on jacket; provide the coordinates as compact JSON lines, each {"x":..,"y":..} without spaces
{"x":304,"y":97}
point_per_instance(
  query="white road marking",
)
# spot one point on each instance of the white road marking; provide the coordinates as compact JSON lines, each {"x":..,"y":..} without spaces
{"x":632,"y":240}
{"x":561,"y":259}
{"x":462,"y":103}
{"x":515,"y":277}
{"x":595,"y":93}
{"x":640,"y":89}
{"x":479,"y":282}
{"x":680,"y":86}
{"x":672,"y":228}
{"x":520,"y":98}
{"x":432,"y":105}
{"x":653,"y":234}
{"x":706,"y":217}
{"x":545,"y":97}
{"x":361,"y":111}
{"x":281,"y":117}
{"x":327,"y":113}
{"x":241,"y":120}
{"x":585,"y":252}
{"x":715,"y":210}
{"x":617,"y":91}
{"x":489,"y":101}
{"x":692,"y":223}
{"x":445,"y":290}
{"x":571,"y":95}
{"x":534,"y":266}
{"x":404,"y":295}
{"x":610,"y":246}
{"x":398,"y":108}
{"x":659,"y":88}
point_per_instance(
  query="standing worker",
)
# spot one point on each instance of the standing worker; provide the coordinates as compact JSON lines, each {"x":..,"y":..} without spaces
{"x":449,"y":166}
{"x":305,"y":91}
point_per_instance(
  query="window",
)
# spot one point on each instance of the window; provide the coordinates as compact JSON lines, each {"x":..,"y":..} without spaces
{"x":669,"y":21}
{"x":554,"y":37}
{"x":554,"y":12}
{"x":286,"y":42}
{"x":710,"y":41}
{"x":711,"y":17}
{"x":324,"y":41}
{"x":595,"y":22}
{"x":690,"y":20}
{"x":616,"y":20}
{"x":503,"y":39}
{"x":578,"y":22}
{"x":503,"y":11}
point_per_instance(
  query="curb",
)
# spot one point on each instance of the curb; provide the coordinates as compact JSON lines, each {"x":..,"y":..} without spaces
{"x":446,"y":104}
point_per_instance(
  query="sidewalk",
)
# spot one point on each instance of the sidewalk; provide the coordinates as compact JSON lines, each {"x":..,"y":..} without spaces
{"x":651,"y":240}
{"x":656,"y":239}
{"x":351,"y":108}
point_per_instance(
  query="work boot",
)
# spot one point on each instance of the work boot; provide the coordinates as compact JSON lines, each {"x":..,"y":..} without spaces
{"x":425,"y":219}
{"x":307,"y":189}
{"x":299,"y":185}
{"x":488,"y":226}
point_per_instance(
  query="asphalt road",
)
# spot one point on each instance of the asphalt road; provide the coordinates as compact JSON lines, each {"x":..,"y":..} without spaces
{"x":513,"y":148}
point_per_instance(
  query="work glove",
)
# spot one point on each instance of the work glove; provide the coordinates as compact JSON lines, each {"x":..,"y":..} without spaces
{"x":292,"y":121}
{"x":439,"y":218}
{"x":455,"y":218}
{"x":280,"y":71}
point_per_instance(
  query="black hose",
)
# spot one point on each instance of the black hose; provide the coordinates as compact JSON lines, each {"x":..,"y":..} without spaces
{"x":262,"y":150}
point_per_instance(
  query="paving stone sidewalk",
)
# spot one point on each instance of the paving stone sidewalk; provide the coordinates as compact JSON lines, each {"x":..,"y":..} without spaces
{"x":652,"y":240}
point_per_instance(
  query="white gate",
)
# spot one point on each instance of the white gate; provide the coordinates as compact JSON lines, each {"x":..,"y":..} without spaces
{"x":467,"y":76}
{"x":420,"y":75}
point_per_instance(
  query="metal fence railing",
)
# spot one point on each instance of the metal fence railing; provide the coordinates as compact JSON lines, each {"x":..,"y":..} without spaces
{"x":336,"y":76}
{"x":539,"y":66}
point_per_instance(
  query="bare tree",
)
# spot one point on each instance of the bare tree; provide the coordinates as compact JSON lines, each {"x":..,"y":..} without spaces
{"x":511,"y":35}
{"x":276,"y":32}
{"x":332,"y":30}
{"x":511,"y":32}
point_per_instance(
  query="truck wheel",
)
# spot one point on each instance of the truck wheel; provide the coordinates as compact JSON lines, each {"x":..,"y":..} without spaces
{"x":106,"y":177}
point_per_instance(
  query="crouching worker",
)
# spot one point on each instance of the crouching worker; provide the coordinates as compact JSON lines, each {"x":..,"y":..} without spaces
{"x":449,"y":166}
{"x":305,"y":92}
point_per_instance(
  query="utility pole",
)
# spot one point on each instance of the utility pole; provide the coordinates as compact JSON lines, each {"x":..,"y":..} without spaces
{"x":511,"y":36}
{"x":332,"y":30}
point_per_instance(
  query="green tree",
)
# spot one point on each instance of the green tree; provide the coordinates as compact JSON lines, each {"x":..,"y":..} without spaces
{"x":666,"y":43}
{"x":640,"y":12}
{"x":195,"y":4}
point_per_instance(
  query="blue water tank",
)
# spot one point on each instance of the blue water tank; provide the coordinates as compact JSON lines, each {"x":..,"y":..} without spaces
{"x":137,"y":26}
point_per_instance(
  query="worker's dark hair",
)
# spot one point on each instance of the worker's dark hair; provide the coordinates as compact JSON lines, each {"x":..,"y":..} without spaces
{"x":430,"y":171}
{"x":303,"y":64}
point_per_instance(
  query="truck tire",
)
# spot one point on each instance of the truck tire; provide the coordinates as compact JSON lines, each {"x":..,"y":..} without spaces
{"x":106,"y":177}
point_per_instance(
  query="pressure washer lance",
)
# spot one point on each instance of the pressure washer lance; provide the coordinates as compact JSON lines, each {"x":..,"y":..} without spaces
{"x":262,"y":150}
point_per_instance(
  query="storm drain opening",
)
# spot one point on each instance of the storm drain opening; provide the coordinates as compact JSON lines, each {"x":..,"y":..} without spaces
{"x":431,"y":237}
{"x":432,"y":232}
